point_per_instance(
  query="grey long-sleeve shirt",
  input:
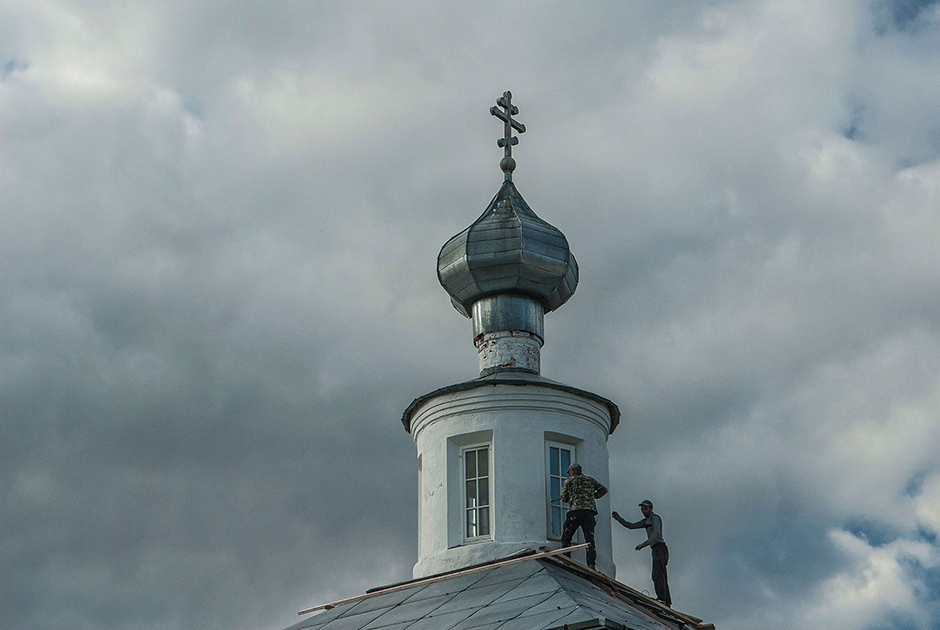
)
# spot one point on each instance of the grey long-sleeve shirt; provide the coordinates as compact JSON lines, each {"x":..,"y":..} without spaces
{"x":654,"y":528}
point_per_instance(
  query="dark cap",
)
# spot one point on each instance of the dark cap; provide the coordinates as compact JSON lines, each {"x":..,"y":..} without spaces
{"x":574,"y":467}
{"x":646,"y":502}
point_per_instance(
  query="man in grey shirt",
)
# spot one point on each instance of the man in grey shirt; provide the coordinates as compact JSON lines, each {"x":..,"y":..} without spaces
{"x":654,"y":540}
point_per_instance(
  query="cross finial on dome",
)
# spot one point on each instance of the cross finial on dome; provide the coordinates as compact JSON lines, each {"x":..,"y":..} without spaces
{"x":507,"y":164}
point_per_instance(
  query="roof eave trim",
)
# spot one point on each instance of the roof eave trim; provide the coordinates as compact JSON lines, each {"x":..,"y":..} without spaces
{"x":511,"y":380}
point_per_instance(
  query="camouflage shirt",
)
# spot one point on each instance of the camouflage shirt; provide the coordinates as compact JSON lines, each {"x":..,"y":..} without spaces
{"x":580,"y":491}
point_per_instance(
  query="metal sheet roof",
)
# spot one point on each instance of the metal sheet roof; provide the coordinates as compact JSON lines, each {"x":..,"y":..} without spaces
{"x":538,"y":593}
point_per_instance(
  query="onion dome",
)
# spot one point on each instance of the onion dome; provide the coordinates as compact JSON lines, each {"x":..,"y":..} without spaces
{"x":510,"y":250}
{"x":508,"y":269}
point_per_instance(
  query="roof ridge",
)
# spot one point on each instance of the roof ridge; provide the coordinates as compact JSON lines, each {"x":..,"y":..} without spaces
{"x":629,"y":594}
{"x":527,"y":554}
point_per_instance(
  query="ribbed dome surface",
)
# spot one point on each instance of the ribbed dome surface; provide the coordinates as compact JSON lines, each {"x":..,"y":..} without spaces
{"x":508,"y":250}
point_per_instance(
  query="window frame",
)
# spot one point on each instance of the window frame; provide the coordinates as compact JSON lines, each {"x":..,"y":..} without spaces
{"x":462,"y":461}
{"x":562,"y":475}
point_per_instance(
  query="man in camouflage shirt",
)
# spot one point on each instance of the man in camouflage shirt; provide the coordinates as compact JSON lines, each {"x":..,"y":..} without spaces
{"x":579,"y":493}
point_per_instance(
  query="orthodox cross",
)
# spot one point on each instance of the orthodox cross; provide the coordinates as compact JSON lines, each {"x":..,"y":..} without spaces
{"x":507,"y":164}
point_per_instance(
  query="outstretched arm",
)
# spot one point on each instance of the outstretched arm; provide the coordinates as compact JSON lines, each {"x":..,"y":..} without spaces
{"x":627,"y":523}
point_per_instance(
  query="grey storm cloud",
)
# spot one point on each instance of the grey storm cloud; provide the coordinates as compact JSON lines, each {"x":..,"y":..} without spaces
{"x":218,"y":231}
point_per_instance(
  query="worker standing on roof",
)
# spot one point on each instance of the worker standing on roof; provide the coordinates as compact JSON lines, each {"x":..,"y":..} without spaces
{"x":579,"y":493}
{"x":654,"y":540}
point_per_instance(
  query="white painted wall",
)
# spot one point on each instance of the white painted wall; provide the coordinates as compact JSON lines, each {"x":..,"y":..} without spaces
{"x":517,"y":421}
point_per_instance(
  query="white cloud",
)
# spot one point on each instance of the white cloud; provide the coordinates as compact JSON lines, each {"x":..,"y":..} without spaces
{"x":86,"y":55}
{"x":927,"y":504}
{"x":327,"y":109}
{"x":219,"y":226}
{"x":877,"y":590}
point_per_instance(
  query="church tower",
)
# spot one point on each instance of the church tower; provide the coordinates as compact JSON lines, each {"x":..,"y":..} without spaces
{"x":493,"y":452}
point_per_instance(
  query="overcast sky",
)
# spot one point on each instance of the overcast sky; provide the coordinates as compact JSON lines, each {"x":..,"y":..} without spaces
{"x":219,"y":223}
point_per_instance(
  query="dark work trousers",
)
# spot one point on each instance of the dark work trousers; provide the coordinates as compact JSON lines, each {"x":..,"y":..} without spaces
{"x":660,"y":582}
{"x":586,"y":520}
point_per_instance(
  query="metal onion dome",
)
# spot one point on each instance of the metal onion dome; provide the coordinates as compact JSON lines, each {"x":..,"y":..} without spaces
{"x":508,"y":250}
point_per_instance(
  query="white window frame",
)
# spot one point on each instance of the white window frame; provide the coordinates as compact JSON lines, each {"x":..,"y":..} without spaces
{"x":467,"y":538}
{"x":563,"y":474}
